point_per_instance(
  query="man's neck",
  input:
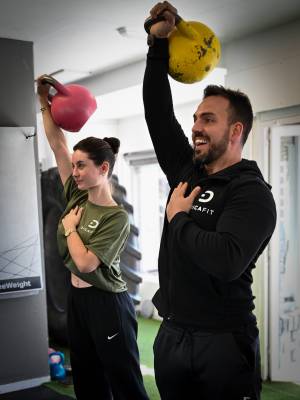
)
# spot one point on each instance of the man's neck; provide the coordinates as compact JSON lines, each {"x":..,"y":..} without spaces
{"x":220,"y":164}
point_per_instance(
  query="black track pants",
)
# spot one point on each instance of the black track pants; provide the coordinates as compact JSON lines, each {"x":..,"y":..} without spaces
{"x":103,"y":348}
{"x":196,"y":365}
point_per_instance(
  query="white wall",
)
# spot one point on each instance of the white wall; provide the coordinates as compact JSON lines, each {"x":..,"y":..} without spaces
{"x":266,"y":66}
{"x":116,"y":79}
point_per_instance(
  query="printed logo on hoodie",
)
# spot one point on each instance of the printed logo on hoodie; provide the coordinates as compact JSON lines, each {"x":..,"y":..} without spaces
{"x":204,"y":197}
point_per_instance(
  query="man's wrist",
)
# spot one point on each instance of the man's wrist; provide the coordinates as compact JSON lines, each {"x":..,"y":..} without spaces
{"x":172,"y":214}
{"x":150,"y":40}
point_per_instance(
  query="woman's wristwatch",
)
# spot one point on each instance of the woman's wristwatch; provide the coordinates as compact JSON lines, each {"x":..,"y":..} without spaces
{"x":69,"y":231}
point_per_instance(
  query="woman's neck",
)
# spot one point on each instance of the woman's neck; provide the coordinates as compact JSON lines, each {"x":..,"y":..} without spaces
{"x":101,"y":195}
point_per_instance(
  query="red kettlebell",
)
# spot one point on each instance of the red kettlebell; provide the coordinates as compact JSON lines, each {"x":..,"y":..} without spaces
{"x":71,"y":106}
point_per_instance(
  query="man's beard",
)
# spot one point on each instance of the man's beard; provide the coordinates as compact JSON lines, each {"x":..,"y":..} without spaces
{"x":214,"y":152}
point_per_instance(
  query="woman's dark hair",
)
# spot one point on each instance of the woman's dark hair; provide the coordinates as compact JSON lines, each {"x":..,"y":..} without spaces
{"x":100,"y":150}
{"x":240,"y":109}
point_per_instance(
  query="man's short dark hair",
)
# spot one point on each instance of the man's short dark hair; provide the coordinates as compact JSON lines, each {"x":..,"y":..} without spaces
{"x":240,"y":106}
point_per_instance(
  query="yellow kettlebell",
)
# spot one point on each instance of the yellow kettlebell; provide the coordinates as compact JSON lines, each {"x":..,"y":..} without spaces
{"x":194,"y":50}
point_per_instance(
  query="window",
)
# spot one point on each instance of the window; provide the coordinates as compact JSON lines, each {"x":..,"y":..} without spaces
{"x":150,"y":191}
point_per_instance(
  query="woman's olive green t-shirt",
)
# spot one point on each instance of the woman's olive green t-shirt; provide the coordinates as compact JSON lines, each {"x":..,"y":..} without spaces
{"x":103,"y":230}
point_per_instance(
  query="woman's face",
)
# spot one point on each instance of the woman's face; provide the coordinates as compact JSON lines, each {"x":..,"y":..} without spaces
{"x":85,"y":173}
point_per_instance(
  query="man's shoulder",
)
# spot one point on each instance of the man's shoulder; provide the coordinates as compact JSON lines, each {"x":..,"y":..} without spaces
{"x":251,"y":187}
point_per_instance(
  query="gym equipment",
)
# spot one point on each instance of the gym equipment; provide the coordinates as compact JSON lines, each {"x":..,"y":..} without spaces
{"x":56,"y":361}
{"x":71,"y":106}
{"x":194,"y":49}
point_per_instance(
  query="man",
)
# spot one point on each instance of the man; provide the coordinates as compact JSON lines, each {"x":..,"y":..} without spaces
{"x":219,"y":218}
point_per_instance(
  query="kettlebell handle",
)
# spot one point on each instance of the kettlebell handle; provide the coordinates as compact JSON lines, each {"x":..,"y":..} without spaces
{"x":183,"y":27}
{"x":152,"y":21}
{"x":54,"y":83}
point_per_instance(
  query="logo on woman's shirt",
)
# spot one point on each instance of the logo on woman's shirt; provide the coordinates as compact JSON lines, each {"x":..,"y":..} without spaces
{"x":93,"y":224}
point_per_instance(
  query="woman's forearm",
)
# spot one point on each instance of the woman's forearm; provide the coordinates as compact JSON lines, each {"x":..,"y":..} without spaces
{"x":55,"y":135}
{"x":84,"y":259}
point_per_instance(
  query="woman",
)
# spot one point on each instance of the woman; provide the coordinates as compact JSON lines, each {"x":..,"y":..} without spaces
{"x":91,"y":235}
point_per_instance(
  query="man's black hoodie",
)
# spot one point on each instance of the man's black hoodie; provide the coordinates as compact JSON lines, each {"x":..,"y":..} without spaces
{"x":206,"y":256}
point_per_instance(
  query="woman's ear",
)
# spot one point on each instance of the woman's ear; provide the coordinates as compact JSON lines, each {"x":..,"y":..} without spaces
{"x":104,"y":168}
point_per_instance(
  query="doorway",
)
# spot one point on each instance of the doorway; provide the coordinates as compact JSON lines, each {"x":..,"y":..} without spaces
{"x":284,"y":305}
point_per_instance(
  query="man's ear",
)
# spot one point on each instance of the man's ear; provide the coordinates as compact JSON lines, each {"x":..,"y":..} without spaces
{"x":237,"y":132}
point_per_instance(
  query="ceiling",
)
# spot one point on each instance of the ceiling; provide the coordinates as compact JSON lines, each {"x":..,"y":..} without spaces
{"x":81,"y":37}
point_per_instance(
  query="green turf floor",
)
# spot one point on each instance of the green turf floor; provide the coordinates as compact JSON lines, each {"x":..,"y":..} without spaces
{"x":146,"y":335}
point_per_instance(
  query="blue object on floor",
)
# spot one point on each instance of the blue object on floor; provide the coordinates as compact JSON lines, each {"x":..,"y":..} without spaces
{"x":56,"y":361}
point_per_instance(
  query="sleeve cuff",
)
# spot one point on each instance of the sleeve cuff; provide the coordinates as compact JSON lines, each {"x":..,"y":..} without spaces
{"x":177,"y":217}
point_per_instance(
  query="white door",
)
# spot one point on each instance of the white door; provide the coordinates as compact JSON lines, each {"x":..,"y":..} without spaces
{"x":284,"y":255}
